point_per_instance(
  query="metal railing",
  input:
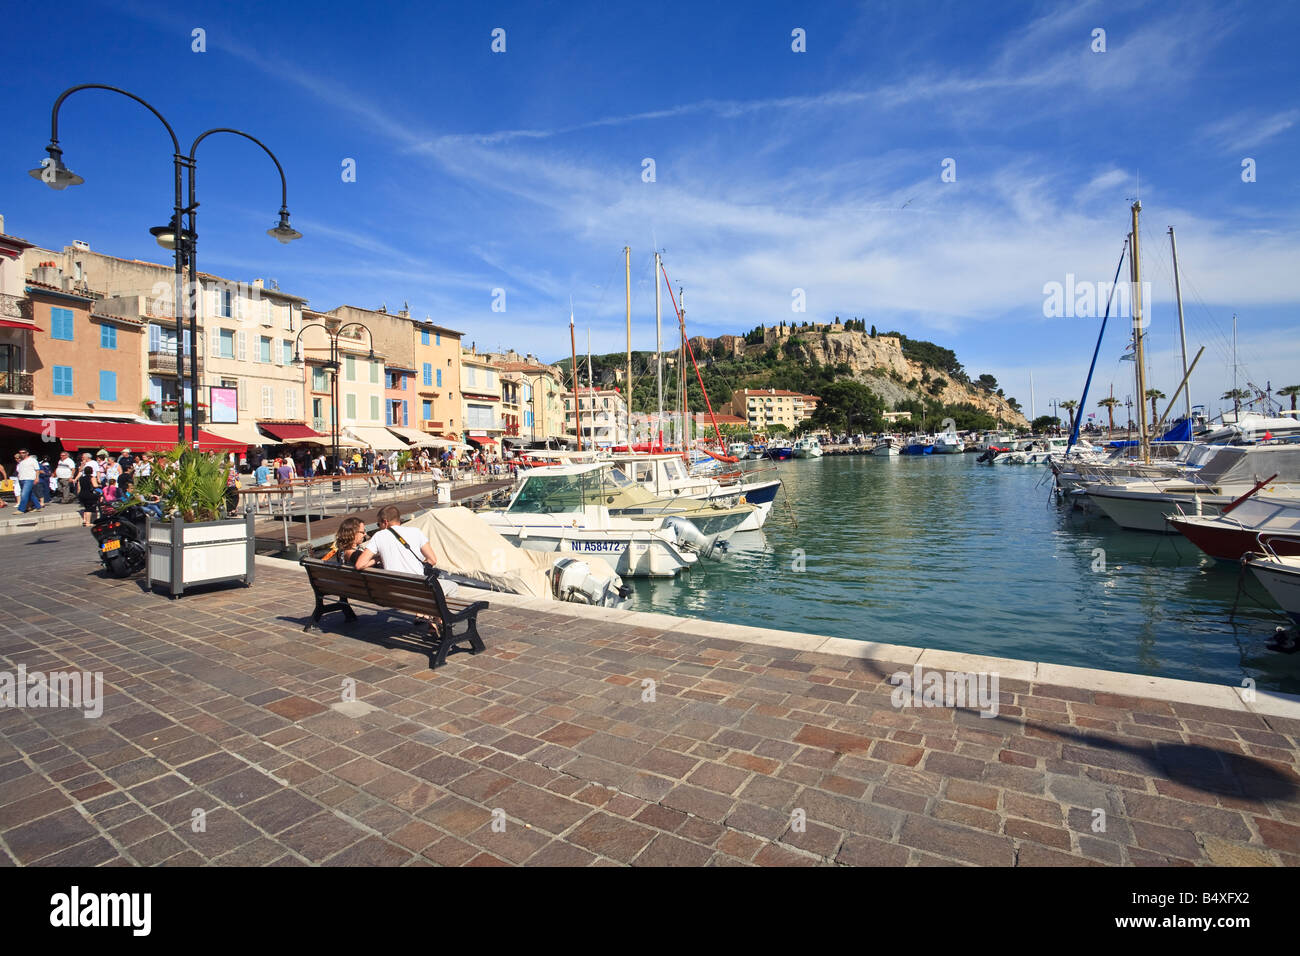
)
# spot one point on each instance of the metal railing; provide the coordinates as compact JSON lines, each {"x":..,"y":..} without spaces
{"x":11,"y":307}
{"x":16,"y":383}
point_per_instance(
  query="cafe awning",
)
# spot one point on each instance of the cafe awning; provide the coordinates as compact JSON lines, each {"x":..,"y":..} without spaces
{"x":418,"y":438}
{"x":114,"y":436}
{"x":285,"y":432}
{"x":10,"y":324}
{"x":245,"y":433}
{"x":380,"y":439}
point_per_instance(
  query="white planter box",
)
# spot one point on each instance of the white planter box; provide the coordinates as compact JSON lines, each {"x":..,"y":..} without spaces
{"x":182,"y":554}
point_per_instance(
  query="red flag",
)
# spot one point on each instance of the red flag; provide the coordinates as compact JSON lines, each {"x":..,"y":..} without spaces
{"x":1268,"y":436}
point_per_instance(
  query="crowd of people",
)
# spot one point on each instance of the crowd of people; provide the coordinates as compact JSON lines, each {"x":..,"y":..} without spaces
{"x":91,"y":481}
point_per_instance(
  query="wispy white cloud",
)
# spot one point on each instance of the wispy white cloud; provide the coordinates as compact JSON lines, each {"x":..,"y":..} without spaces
{"x":1249,"y":129}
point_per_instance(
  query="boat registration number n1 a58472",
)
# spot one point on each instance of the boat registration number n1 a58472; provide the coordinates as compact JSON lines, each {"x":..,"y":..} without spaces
{"x":597,"y":546}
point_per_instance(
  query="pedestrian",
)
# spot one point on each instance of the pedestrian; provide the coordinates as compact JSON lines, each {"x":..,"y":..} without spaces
{"x":284,"y":472}
{"x":65,"y":472}
{"x":87,"y":485}
{"x":347,"y":542}
{"x":144,"y":467}
{"x":28,"y":471}
{"x":112,"y":494}
{"x":232,"y":488}
{"x":44,"y":480}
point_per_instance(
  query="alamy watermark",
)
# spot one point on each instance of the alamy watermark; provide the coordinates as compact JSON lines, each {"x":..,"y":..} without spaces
{"x":1087,"y":300}
{"x":923,"y":688}
{"x":76,"y":689}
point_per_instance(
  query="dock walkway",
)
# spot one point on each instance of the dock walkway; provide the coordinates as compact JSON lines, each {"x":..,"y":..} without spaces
{"x":598,"y":737}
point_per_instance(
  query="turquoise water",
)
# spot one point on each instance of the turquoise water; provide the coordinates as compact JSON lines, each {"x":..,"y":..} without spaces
{"x":940,"y":552}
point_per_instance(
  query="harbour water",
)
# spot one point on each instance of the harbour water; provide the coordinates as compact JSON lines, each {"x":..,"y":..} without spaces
{"x":940,"y":552}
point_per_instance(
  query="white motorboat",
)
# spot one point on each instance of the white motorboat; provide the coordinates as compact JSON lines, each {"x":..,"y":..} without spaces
{"x":1280,"y":577}
{"x":1142,"y":504}
{"x":665,"y":476}
{"x":588,"y":510}
{"x":470,"y":552}
{"x":948,"y":443}
{"x":886,"y":448}
{"x":808,"y":447}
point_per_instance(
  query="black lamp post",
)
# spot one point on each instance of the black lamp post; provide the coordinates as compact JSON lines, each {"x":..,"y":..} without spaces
{"x":333,"y":365}
{"x":177,"y":235}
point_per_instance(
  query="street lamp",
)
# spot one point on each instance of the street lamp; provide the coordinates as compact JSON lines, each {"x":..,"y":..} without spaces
{"x":178,"y":236}
{"x":333,"y":366}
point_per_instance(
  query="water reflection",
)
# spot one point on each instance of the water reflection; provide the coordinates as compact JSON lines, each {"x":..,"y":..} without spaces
{"x":939,"y":552}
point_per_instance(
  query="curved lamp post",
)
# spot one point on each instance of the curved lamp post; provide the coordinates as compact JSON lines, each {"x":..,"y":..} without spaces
{"x":177,"y":235}
{"x":333,"y":366}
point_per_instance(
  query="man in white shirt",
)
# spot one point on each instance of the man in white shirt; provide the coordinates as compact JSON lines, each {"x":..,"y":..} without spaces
{"x":65,"y":469}
{"x":399,"y":548}
{"x":27,"y":472}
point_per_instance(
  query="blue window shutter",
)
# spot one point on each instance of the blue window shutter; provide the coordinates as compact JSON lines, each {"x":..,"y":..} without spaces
{"x":61,"y":324}
{"x":107,"y":337}
{"x":424,"y":337}
{"x":440,"y":378}
{"x":107,"y":386}
{"x":62,"y":380}
{"x":405,"y":422}
{"x":428,"y":409}
{"x":438,"y":338}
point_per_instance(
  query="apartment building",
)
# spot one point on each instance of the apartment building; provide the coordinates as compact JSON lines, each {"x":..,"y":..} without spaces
{"x":603,"y":413}
{"x":437,"y":380}
{"x":480,"y":388}
{"x":17,"y":329}
{"x":765,"y":407}
{"x":541,"y":390}
{"x":360,"y":373}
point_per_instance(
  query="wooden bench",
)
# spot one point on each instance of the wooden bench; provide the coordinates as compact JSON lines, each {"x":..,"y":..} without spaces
{"x":397,"y":591}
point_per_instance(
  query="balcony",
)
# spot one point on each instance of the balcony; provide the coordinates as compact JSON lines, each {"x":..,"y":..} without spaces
{"x":10,"y":307}
{"x":164,"y":363}
{"x":16,"y":384}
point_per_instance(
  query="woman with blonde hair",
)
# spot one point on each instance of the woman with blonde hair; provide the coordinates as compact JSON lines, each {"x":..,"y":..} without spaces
{"x":348,"y":539}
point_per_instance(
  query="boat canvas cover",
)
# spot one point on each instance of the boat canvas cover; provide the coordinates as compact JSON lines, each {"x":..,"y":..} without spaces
{"x":1251,"y":463}
{"x":467,"y":545}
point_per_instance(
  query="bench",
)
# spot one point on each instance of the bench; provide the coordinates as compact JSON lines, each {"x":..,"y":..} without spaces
{"x":398,"y":591}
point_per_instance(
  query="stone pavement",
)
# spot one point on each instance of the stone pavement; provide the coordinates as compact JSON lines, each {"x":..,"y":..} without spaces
{"x":547,"y":749}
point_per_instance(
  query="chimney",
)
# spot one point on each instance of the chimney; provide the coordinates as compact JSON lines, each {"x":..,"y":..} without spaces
{"x":81,"y":244}
{"x":406,"y":310}
{"x":257,"y":283}
{"x":2,"y":224}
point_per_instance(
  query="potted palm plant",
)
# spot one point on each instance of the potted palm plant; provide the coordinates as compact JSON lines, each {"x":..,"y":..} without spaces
{"x":197,"y":541}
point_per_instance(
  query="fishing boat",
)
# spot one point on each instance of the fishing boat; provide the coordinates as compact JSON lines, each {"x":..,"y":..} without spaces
{"x":779,"y":451}
{"x":1235,"y":532}
{"x":808,"y":447}
{"x":919,"y":445}
{"x":886,"y":448}
{"x":948,"y":443}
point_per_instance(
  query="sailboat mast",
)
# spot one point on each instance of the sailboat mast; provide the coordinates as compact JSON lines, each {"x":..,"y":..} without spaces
{"x":659,"y":358}
{"x":681,"y":365}
{"x":1143,"y":437}
{"x":591,"y":390}
{"x":627,"y":277}
{"x":573,"y":352}
{"x":1182,"y":331}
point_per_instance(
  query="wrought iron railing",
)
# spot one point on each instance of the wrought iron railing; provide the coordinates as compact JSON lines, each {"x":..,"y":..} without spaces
{"x":15,"y":383}
{"x":10,"y":307}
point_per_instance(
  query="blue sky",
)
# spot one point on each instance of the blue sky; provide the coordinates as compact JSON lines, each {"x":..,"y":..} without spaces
{"x":774,"y":170}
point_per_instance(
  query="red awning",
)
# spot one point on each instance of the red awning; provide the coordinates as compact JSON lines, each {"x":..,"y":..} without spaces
{"x":290,"y":432}
{"x":483,"y":441}
{"x":113,"y":436}
{"x":10,"y":324}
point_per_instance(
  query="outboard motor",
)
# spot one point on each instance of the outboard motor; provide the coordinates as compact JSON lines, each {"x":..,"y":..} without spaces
{"x":693,"y":539}
{"x":573,"y":581}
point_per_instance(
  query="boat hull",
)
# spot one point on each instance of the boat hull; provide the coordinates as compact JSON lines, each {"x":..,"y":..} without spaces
{"x":635,"y":554}
{"x":1281,"y":578}
{"x":1147,"y":512}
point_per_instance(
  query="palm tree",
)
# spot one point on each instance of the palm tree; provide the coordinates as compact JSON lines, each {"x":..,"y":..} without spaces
{"x":1154,"y":394}
{"x":1070,"y":405}
{"x":1236,"y":396}
{"x":1109,"y":403}
{"x":1292,"y":391}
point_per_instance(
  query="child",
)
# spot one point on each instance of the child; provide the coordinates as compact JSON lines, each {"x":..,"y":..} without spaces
{"x":111,"y":493}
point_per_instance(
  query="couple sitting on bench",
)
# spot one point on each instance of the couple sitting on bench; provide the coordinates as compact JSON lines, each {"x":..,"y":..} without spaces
{"x":393,"y":547}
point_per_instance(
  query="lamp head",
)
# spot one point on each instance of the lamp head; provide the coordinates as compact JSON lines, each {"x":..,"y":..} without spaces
{"x":283,"y":232}
{"x":166,"y":235}
{"x":53,"y":173}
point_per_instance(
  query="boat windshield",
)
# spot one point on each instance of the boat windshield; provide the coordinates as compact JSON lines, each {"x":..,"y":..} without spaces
{"x":554,"y":494}
{"x":673,"y":468}
{"x":618,"y":479}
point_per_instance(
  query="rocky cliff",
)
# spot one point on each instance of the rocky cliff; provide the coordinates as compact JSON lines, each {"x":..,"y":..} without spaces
{"x":879,"y":363}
